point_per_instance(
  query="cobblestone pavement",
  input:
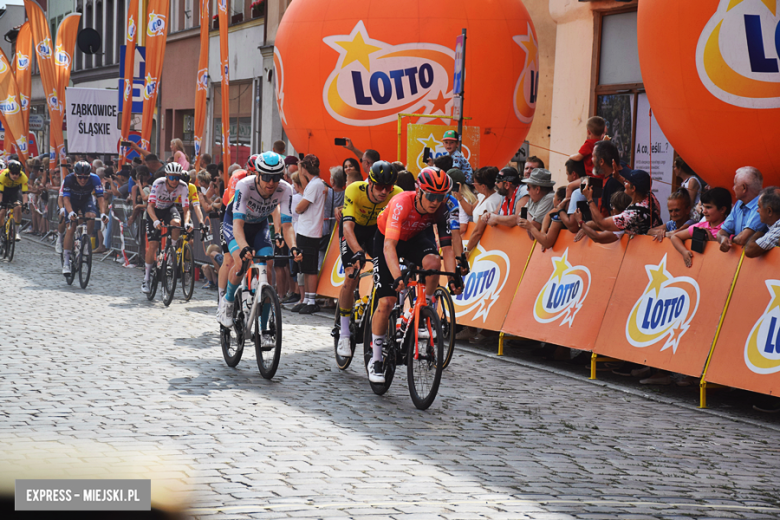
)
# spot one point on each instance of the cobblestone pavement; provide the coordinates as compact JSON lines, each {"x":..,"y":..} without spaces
{"x":102,"y":382}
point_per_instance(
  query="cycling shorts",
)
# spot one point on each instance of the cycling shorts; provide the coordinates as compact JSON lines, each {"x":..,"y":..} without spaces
{"x":12,"y":195}
{"x":165,"y":216}
{"x":258,"y":236}
{"x":83,"y":205}
{"x":414,"y":250}
{"x":365,"y":238}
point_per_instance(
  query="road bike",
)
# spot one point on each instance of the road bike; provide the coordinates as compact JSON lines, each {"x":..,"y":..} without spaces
{"x":357,"y":322}
{"x":423,"y":356}
{"x":185,"y":259}
{"x":81,"y":253}
{"x":445,"y":309}
{"x":8,"y":235}
{"x":257,"y":314}
{"x":165,"y":267}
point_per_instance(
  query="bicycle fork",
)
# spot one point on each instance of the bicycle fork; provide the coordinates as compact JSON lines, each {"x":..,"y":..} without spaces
{"x":261,"y":282}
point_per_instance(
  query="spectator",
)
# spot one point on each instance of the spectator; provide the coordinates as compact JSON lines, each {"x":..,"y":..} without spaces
{"x":551,"y":226}
{"x":619,"y":202}
{"x":291,"y":166}
{"x":296,"y":277}
{"x":205,"y":160}
{"x":595,"y":128}
{"x":639,"y":217}
{"x":352,"y":170}
{"x":465,"y":197}
{"x":177,"y":147}
{"x":606,"y":164}
{"x":406,"y":181}
{"x":367,"y":158}
{"x":487,"y":197}
{"x":310,"y":210}
{"x":96,"y":165}
{"x":744,"y":220}
{"x":679,"y":206}
{"x":576,"y":176}
{"x":156,"y":168}
{"x":689,"y":182}
{"x":716,"y":203}
{"x":122,"y":184}
{"x":137,"y":194}
{"x":769,"y":212}
{"x":443,"y":162}
{"x":540,"y":191}
{"x":211,"y":272}
{"x":279,"y":147}
{"x":450,"y":141}
{"x":530,"y":165}
{"x":514,"y":197}
{"x":334,"y":201}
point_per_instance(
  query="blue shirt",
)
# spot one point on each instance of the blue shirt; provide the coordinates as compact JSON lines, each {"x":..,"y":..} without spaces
{"x":72,"y":188}
{"x":454,"y":209}
{"x":460,"y":162}
{"x":743,"y":216}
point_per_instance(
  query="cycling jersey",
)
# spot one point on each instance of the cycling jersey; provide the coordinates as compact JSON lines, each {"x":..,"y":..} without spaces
{"x":358,"y":207}
{"x":162,"y":198}
{"x":71,"y":187}
{"x":7,"y":182}
{"x":401,"y":221}
{"x":250,"y":207}
{"x":227,"y":197}
{"x":193,"y":194}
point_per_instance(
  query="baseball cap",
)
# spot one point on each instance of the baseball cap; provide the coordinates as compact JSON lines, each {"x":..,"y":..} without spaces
{"x":450,"y":135}
{"x":639,"y":178}
{"x":508,"y":173}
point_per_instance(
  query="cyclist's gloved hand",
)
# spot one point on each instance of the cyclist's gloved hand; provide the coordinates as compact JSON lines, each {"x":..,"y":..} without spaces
{"x":246,"y":253}
{"x":398,"y":284}
{"x":463,"y":261}
{"x":297,"y":253}
{"x":188,"y":226}
{"x":104,"y":218}
{"x":359,"y":259}
{"x":456,"y":284}
{"x":279,"y":240}
{"x":26,"y":206}
{"x":63,"y":212}
{"x":72,"y":215}
{"x":157,"y":224}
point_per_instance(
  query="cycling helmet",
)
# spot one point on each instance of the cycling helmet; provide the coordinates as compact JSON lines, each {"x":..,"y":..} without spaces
{"x":81,"y":167}
{"x":434,"y":180}
{"x":251,"y":169}
{"x":185,"y":176}
{"x":173,"y":168}
{"x":269,"y":163}
{"x":382,"y":172}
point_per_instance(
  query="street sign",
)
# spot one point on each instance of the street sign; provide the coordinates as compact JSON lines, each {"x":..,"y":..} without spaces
{"x":523,"y":153}
{"x":457,"y":108}
{"x":36,"y":122}
{"x":457,"y":77}
{"x":139,"y":70}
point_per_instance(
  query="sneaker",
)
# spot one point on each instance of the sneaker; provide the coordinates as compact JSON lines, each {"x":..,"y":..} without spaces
{"x":309,"y":309}
{"x":225,"y":314}
{"x":298,"y":306}
{"x":145,"y":287}
{"x":345,"y":347}
{"x":292,"y":298}
{"x":58,"y":247}
{"x":207,"y":285}
{"x":18,"y":238}
{"x":268,"y":340}
{"x":375,"y":372}
{"x":66,"y":268}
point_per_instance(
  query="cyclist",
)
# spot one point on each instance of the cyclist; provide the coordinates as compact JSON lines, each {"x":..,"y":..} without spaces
{"x":245,"y":227}
{"x":161,"y":209}
{"x":13,"y":191}
{"x":77,"y":190}
{"x":363,"y":201}
{"x":402,"y":233}
{"x":194,"y":201}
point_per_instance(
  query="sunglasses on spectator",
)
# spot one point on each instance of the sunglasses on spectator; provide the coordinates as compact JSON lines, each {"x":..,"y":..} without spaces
{"x":434,"y":197}
{"x":268,"y":177}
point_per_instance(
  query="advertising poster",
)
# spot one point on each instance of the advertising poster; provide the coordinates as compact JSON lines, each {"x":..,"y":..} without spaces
{"x":653,"y":143}
{"x":420,"y":137}
{"x":91,"y":114}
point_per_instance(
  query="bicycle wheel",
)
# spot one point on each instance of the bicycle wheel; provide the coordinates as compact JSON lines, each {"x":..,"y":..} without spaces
{"x":388,"y":352}
{"x":424,"y":373}
{"x":187,"y":271}
{"x":70,"y":277}
{"x":154,"y":279}
{"x":342,"y":362}
{"x":3,"y":242}
{"x":232,"y":339}
{"x":268,"y":344}
{"x":85,"y":261}
{"x":11,"y":240}
{"x":169,"y":275}
{"x":445,"y":310}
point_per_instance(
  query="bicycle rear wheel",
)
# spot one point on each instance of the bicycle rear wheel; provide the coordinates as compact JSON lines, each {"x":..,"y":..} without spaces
{"x":342,"y":362}
{"x":187,"y":271}
{"x":424,"y":373}
{"x":154,"y":279}
{"x":268,"y":332}
{"x":445,"y":310}
{"x":85,"y":261}
{"x":169,"y":275}
{"x":11,"y":240}
{"x":388,"y":352}
{"x":73,"y":265}
{"x":232,"y":339}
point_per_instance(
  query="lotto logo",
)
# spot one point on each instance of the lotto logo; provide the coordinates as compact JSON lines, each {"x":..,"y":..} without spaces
{"x":762,"y":348}
{"x":562,"y":296}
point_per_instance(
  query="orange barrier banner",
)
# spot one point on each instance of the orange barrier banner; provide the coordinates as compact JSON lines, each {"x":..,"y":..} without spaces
{"x":224,"y":61}
{"x":747,"y":353}
{"x":127,"y":93}
{"x":11,"y":109}
{"x":663,"y":314}
{"x":565,"y":291}
{"x":332,"y":274}
{"x":496,"y":269}
{"x":45,"y":54}
{"x":156,"y":35}
{"x":66,"y":42}
{"x":23,"y":71}
{"x":202,"y":81}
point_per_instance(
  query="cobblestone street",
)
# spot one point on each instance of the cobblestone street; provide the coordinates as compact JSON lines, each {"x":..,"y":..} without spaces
{"x":102,"y":382}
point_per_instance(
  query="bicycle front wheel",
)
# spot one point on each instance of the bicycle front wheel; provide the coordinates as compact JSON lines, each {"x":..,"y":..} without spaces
{"x":11,"y":240}
{"x":3,"y":244}
{"x":445,"y":310}
{"x":154,"y":279}
{"x":169,"y":275}
{"x":424,"y":373}
{"x":268,"y":332}
{"x":73,"y":264}
{"x":85,"y":261}
{"x":187,"y":271}
{"x":232,"y":339}
{"x":342,"y":362}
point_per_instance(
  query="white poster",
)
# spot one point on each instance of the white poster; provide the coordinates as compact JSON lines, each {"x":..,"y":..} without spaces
{"x":653,"y":143}
{"x":92,"y":114}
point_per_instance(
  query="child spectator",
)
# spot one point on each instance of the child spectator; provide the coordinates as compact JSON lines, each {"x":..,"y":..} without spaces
{"x":679,"y":206}
{"x":211,"y":272}
{"x":689,"y":182}
{"x":619,"y":202}
{"x":595,"y":128}
{"x":716,"y":204}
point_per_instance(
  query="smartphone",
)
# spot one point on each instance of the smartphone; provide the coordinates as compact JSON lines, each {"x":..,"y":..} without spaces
{"x":698,"y":239}
{"x":426,"y":154}
{"x":524,"y":212}
{"x":585,"y":210}
{"x":597,"y":184}
{"x":301,"y":156}
{"x":340,"y":141}
{"x":126,"y":143}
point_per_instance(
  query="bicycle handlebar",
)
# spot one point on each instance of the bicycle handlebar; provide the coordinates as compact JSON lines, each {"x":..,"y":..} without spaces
{"x":245,"y":263}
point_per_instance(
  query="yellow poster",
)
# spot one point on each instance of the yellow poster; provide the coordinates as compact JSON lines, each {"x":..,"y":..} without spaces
{"x":420,"y":137}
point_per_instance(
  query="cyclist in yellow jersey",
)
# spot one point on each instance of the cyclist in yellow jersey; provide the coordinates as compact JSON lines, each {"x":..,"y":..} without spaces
{"x":13,"y":191}
{"x":194,"y":201}
{"x":363,"y":201}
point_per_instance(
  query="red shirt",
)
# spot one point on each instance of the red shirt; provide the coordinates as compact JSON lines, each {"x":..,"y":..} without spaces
{"x":587,"y":155}
{"x":227,"y":197}
{"x":400,"y":220}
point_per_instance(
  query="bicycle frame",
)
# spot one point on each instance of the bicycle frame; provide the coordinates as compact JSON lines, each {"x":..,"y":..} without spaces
{"x":246,"y":284}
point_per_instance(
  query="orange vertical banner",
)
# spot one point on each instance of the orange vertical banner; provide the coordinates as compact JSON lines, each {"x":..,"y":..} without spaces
{"x":224,"y":60}
{"x":156,"y":34}
{"x":202,"y":83}
{"x":63,"y":60}
{"x":11,"y":108}
{"x":131,"y":30}
{"x":22,"y":71}
{"x":45,"y":53}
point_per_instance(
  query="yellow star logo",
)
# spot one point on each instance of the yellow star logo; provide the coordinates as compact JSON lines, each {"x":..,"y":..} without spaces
{"x":430,"y":142}
{"x":561,"y":265}
{"x":440,"y":103}
{"x":770,"y":4}
{"x":357,"y":50}
{"x":775,"y":298}
{"x":657,"y":277}
{"x":528,"y":43}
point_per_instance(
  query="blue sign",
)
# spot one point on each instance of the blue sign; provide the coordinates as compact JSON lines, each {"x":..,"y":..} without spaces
{"x":139,"y":70}
{"x":457,"y":77}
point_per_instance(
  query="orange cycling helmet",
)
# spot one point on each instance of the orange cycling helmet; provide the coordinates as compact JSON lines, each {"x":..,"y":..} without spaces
{"x":434,"y":180}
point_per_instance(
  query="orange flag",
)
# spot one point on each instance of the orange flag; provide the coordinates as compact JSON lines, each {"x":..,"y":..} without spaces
{"x":45,"y":53}
{"x":156,"y":33}
{"x":127,"y":103}
{"x":11,"y":109}
{"x":22,"y":71}
{"x":63,"y":59}
{"x":225,"y":69}
{"x":202,"y":83}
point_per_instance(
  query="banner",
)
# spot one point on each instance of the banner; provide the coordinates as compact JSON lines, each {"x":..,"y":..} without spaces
{"x":747,"y":354}
{"x":11,"y":109}
{"x":23,"y":70}
{"x":156,"y":34}
{"x":63,"y":59}
{"x":664,"y":314}
{"x":131,"y":30}
{"x":565,"y":290}
{"x":224,"y":60}
{"x":45,"y":53}
{"x":419,"y":137}
{"x":92,"y":114}
{"x":202,"y":81}
{"x":653,"y":144}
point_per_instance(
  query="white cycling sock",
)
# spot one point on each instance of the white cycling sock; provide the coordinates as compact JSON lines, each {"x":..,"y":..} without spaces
{"x":60,"y":236}
{"x":148,"y":272}
{"x":66,"y":256}
{"x":377,"y":343}
{"x":345,"y":333}
{"x":309,"y":298}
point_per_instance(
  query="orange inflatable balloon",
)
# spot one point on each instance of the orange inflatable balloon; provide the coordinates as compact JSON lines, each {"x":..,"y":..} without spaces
{"x":346,"y":68}
{"x":712,"y":75}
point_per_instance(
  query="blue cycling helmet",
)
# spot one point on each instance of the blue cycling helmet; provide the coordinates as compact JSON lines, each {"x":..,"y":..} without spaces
{"x":269,"y":163}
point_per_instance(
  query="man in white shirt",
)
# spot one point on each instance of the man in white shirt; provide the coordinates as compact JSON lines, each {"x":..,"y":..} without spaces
{"x":310,"y":212}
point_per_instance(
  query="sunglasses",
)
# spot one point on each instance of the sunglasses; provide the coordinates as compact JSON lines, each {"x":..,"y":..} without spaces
{"x":383,"y":187}
{"x":173,"y":178}
{"x":82,"y":176}
{"x":267,"y":177}
{"x":12,"y":174}
{"x":434,"y":197}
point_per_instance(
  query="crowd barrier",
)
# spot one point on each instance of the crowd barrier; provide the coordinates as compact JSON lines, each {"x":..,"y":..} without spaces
{"x":633,"y":300}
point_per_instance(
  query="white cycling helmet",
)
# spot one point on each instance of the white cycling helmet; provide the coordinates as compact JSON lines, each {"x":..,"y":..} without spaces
{"x":173,"y":168}
{"x":269,"y":163}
